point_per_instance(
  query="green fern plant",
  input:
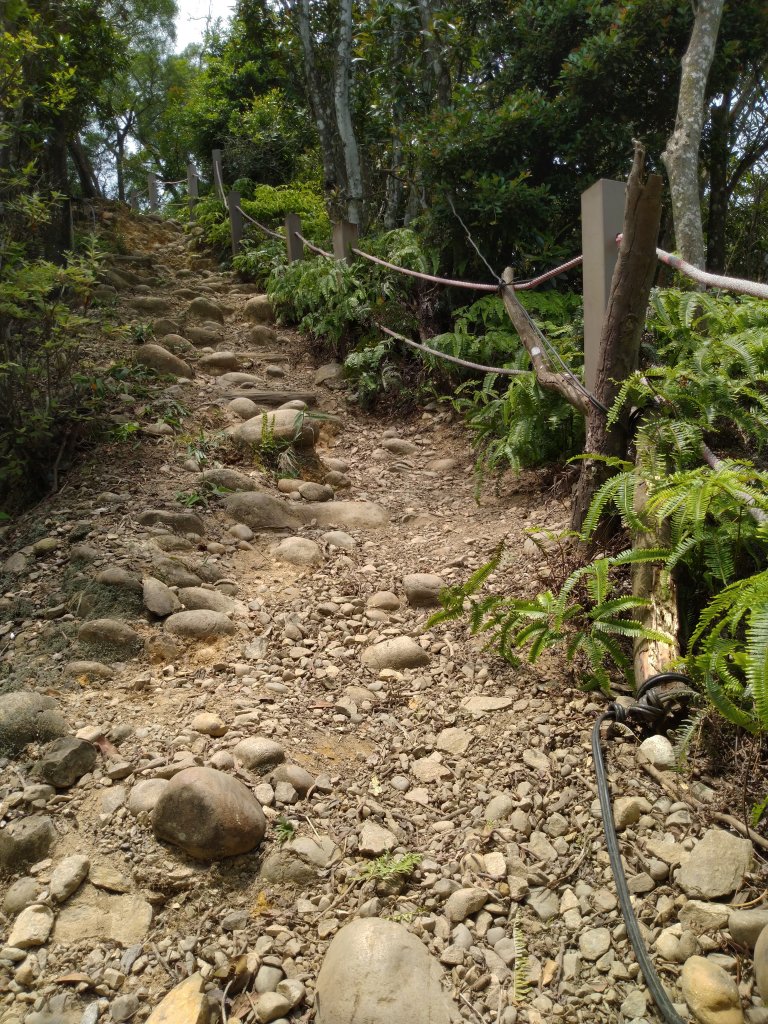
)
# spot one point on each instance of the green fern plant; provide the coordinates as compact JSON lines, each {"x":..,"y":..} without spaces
{"x":522,"y":973}
{"x":728,"y":652}
{"x":588,"y":619}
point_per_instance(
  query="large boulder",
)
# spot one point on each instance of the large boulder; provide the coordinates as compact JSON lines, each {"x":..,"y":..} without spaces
{"x":199,"y":624}
{"x":158,"y":358}
{"x":377,"y":972}
{"x":25,"y":841}
{"x":282,"y":425}
{"x":26,"y":717}
{"x":261,"y":511}
{"x":209,"y":815}
{"x":259,"y":310}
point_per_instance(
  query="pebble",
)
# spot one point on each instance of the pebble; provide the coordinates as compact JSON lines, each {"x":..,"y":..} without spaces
{"x":67,"y":877}
{"x":32,"y":927}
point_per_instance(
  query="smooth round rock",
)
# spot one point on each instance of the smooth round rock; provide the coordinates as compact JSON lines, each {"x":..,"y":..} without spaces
{"x":200,"y":624}
{"x":298,"y":551}
{"x":258,"y":753}
{"x":377,"y":972}
{"x":399,"y":652}
{"x":209,"y":815}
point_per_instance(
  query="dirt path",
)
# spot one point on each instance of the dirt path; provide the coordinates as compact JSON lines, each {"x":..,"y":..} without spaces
{"x":424,"y":782}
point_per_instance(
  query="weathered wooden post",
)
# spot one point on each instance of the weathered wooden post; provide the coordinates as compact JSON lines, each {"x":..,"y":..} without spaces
{"x":218,"y":171}
{"x":191,"y":189}
{"x":345,"y":235}
{"x":133,"y":200}
{"x":602,"y":218}
{"x":152,"y":190}
{"x":235,"y":221}
{"x":294,"y":245}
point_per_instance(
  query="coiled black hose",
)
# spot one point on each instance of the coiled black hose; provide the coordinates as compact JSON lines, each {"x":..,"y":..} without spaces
{"x":650,"y":707}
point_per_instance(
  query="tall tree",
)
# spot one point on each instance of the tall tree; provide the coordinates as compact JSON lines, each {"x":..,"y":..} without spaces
{"x":681,"y":157}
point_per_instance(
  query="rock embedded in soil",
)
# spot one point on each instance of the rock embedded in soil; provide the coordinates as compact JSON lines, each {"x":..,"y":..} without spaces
{"x":658,"y":751}
{"x":185,"y":1004}
{"x":286,"y":425}
{"x":454,"y":741}
{"x":298,"y":551}
{"x":20,"y":894}
{"x":216,"y":363}
{"x":711,"y":993}
{"x":311,"y":491}
{"x":95,"y":915}
{"x":196,"y":598}
{"x":422,"y":589}
{"x":25,"y":841}
{"x":464,"y":902}
{"x":399,"y":446}
{"x":89,"y":670}
{"x":399,"y":652}
{"x":111,"y":634}
{"x":375,"y":840}
{"x":745,"y":926}
{"x":351,"y":515}
{"x":339,"y":539}
{"x":200,"y":624}
{"x":262,"y":511}
{"x":178,"y":522}
{"x":67,"y":877}
{"x":384,"y":599}
{"x":203,"y":308}
{"x":259,"y":311}
{"x":158,"y":598}
{"x":145,"y":794}
{"x":260,"y":334}
{"x":27,"y":717}
{"x":244,"y":408}
{"x":208,"y":724}
{"x":377,"y":972}
{"x":716,"y":866}
{"x":209,"y":815}
{"x":257,"y":753}
{"x":230,"y":479}
{"x":65,"y":761}
{"x":594,"y":942}
{"x":116,"y":576}
{"x":32,"y":927}
{"x":761,"y":964}
{"x":158,"y":358}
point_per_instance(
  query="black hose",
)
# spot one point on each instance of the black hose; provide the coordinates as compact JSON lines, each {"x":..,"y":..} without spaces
{"x":618,"y":713}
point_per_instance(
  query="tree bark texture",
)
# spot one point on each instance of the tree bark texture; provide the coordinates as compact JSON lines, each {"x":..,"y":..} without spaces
{"x":440,"y":78}
{"x":681,"y":157}
{"x":341,"y":97}
{"x":622,"y":328}
{"x":301,"y":11}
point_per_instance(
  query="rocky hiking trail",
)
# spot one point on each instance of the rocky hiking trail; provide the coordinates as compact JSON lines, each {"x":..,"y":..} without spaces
{"x":242,"y":781}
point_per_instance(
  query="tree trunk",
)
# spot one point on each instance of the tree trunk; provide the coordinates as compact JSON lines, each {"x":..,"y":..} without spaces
{"x":440,"y":78}
{"x":120,"y":166}
{"x":622,"y":329}
{"x":88,"y":182}
{"x":315,"y":93}
{"x":718,"y":184}
{"x":341,"y":96}
{"x":681,"y":157}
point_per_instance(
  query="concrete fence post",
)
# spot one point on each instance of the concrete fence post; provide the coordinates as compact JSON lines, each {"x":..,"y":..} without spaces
{"x":345,"y":236}
{"x":218,"y":172}
{"x":294,"y":245}
{"x":152,"y":190}
{"x":602,"y":219}
{"x":133,"y":200}
{"x":191,"y":189}
{"x":235,"y":221}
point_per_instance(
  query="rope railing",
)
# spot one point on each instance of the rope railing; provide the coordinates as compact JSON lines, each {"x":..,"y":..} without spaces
{"x":267,"y":231}
{"x":219,"y":184}
{"x":314,"y":248}
{"x":473,"y":286}
{"x":181,"y":181}
{"x":730,"y":284}
{"x":451,"y":359}
{"x":727,"y":284}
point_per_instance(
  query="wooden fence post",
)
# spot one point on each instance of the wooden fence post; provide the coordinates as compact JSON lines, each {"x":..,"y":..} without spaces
{"x":218,"y":172}
{"x":235,"y":221}
{"x":294,"y":245}
{"x":345,"y":235}
{"x":152,"y":190}
{"x":191,"y":189}
{"x":602,"y":219}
